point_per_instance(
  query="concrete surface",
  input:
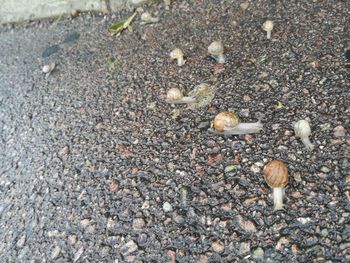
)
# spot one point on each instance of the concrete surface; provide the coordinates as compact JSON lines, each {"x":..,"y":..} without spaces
{"x":20,"y":10}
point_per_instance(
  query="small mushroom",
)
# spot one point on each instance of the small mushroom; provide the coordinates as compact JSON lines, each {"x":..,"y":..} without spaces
{"x":74,"y":13}
{"x":179,"y":55}
{"x":47,"y":69}
{"x":268,"y":26}
{"x":146,"y":18}
{"x":216,"y":50}
{"x":175,"y":96}
{"x":200,"y":96}
{"x":228,"y":123}
{"x":302,"y":130}
{"x":276,"y":176}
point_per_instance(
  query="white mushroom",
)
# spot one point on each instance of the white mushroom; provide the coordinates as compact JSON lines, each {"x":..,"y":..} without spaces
{"x":47,"y":69}
{"x":228,"y":123}
{"x":178,"y":55}
{"x":268,"y":26}
{"x":200,"y":96}
{"x":302,"y":130}
{"x":216,"y":50}
{"x":175,"y":96}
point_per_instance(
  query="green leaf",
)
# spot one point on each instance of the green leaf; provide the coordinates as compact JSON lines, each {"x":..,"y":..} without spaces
{"x":259,"y":60}
{"x":118,"y":25}
{"x":112,"y":64}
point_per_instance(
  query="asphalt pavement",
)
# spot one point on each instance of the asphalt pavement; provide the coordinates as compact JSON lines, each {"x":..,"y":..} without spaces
{"x":95,"y":166}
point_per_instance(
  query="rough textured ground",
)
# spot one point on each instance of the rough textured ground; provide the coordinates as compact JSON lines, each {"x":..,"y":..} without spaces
{"x":95,"y":167}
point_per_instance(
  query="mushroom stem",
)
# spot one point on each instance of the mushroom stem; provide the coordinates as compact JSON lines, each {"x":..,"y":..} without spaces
{"x":183,"y":100}
{"x":180,"y":61}
{"x":219,"y":58}
{"x":245,"y":128}
{"x":306,"y":141}
{"x":268,"y":34}
{"x":241,"y":128}
{"x":278,"y":198}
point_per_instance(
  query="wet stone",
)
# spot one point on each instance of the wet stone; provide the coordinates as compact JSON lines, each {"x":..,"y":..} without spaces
{"x":230,"y":168}
{"x":64,"y":151}
{"x":339,"y":131}
{"x":324,"y":232}
{"x":218,"y":247}
{"x":21,"y":241}
{"x":167,"y":207}
{"x":72,"y":239}
{"x":138,"y":224}
{"x":142,"y":240}
{"x":78,"y":254}
{"x":258,"y":253}
{"x":128,"y":248}
{"x":325,"y":169}
{"x":55,"y":252}
{"x":179,"y":219}
{"x":244,"y":248}
{"x":255,"y":168}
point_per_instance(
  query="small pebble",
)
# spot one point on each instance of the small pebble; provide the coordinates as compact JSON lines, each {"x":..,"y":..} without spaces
{"x":281,"y":242}
{"x":46,"y":68}
{"x":21,"y":241}
{"x":171,"y":256}
{"x":85,"y":222}
{"x":230,"y":168}
{"x":258,"y":253}
{"x":145,"y":205}
{"x":244,"y":5}
{"x":138,"y":224}
{"x":304,"y":220}
{"x":55,"y":252}
{"x":246,"y":225}
{"x":244,"y":248}
{"x":167,"y":207}
{"x":218,"y":247}
{"x":179,"y":219}
{"x":324,"y":232}
{"x":325,"y":169}
{"x":78,"y":254}
{"x":72,"y":239}
{"x":255,"y":168}
{"x":339,"y":131}
{"x":75,"y":13}
{"x":64,"y":151}
{"x":128,"y":248}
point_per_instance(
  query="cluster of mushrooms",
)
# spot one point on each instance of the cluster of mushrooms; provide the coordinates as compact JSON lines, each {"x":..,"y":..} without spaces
{"x":228,"y":123}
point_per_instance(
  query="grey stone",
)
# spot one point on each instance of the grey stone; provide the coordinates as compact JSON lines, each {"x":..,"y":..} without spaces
{"x":167,"y":207}
{"x":258,"y":253}
{"x":55,"y":252}
{"x":128,"y":248}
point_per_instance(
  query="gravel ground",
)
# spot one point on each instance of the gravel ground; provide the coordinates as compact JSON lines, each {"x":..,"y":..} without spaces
{"x":95,"y":167}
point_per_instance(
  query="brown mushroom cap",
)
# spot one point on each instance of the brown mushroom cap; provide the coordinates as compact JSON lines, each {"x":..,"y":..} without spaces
{"x":225,"y":120}
{"x":276,"y":174}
